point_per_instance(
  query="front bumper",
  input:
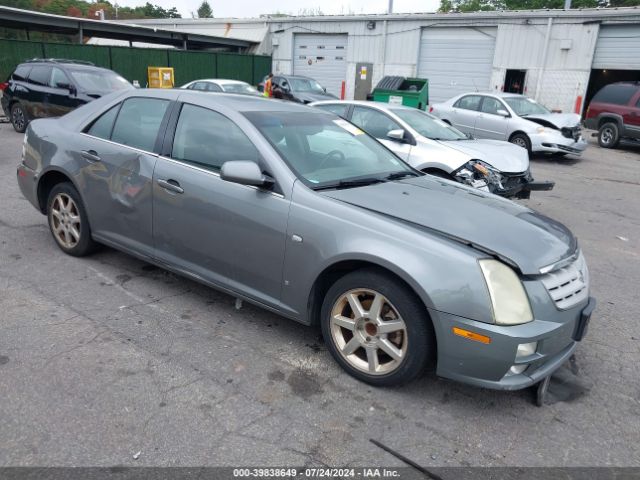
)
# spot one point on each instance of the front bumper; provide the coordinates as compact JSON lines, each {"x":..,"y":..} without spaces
{"x":487,"y":365}
{"x":555,"y":142}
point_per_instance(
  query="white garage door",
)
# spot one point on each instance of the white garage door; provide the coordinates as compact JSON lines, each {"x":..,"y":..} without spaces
{"x":321,"y":57}
{"x":618,"y":48}
{"x":456,"y":60}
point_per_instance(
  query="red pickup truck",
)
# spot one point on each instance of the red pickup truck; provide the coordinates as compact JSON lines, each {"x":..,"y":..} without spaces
{"x":615,"y":113}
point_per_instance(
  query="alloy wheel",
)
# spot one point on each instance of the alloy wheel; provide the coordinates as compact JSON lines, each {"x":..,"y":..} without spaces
{"x":520,"y":142}
{"x":65,"y":220}
{"x":368,"y":331}
{"x":607,"y":135}
{"x":17,"y":117}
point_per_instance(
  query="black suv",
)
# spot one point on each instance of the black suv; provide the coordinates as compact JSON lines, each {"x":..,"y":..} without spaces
{"x":52,"y":87}
{"x":299,"y":89}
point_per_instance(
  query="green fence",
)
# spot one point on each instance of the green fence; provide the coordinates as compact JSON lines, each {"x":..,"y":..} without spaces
{"x":132,"y":63}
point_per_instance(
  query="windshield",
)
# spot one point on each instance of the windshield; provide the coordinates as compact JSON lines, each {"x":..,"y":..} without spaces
{"x":428,"y":126}
{"x":324,"y":150}
{"x":99,"y":80}
{"x":239,"y":88}
{"x":524,"y":106}
{"x":305,"y":85}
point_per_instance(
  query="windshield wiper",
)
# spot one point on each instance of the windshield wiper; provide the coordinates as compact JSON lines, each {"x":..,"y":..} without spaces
{"x":359,"y":182}
{"x":399,"y":175}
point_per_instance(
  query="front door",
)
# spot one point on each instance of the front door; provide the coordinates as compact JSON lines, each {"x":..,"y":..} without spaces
{"x":378,"y":124}
{"x":118,"y":169}
{"x":490,"y":123}
{"x":228,"y":234}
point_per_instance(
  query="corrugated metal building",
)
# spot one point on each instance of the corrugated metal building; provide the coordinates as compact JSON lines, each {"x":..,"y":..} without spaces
{"x":559,"y":57}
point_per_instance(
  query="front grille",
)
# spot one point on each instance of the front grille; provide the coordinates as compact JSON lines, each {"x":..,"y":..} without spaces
{"x":511,"y":180}
{"x":571,"y":132}
{"x":568,"y":286}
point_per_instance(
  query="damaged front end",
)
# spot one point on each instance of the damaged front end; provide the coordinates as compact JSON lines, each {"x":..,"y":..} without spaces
{"x":481,"y":175}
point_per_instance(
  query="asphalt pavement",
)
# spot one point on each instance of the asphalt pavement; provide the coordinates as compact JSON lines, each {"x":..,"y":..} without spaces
{"x":107,"y":358}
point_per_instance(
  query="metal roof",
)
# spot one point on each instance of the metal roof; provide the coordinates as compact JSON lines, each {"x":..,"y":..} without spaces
{"x":38,"y":21}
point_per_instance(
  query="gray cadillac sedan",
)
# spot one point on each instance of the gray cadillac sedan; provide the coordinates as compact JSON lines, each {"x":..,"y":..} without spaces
{"x":302,"y":213}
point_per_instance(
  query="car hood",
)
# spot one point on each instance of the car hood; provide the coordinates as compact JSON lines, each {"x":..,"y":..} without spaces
{"x":559,"y":120}
{"x":313,"y":97}
{"x":519,"y":236}
{"x":504,"y":156}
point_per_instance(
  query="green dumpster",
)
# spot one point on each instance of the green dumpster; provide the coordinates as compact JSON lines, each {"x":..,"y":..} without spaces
{"x":412,"y":92}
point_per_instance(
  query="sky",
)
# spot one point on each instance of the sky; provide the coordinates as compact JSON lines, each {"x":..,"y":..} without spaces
{"x":253,"y":8}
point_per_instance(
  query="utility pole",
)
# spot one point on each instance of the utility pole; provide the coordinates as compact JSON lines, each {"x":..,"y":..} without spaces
{"x":391,"y":5}
{"x":567,"y":4}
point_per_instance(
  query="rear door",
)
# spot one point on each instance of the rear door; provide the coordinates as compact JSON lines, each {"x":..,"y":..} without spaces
{"x":489,"y":124}
{"x":378,"y":124}
{"x":118,"y":154}
{"x":38,"y":91}
{"x":228,"y":234}
{"x":465,"y":112}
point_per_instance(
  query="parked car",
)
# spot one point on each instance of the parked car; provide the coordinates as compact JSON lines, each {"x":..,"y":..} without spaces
{"x":52,"y":87}
{"x":433,"y":146}
{"x":615,"y":112}
{"x":296,"y":210}
{"x":515,"y":118}
{"x":298,"y":89}
{"x":221,"y":85}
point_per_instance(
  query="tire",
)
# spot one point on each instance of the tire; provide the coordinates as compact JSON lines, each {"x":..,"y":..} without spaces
{"x":609,"y":135}
{"x":360,"y":348}
{"x":521,"y":140}
{"x":68,"y":221}
{"x":19,"y":118}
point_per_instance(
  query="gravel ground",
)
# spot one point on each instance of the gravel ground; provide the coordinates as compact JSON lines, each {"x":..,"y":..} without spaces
{"x":106,"y":356}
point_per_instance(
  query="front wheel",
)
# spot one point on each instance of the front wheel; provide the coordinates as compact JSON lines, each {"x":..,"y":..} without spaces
{"x":521,"y":140}
{"x":68,"y":221}
{"x":376,"y":328}
{"x":608,"y":135}
{"x":19,"y":118}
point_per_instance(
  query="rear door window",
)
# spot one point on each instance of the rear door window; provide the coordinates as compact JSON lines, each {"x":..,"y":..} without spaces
{"x":469,"y":102}
{"x":21,"y":73}
{"x":616,"y":94}
{"x":208,"y":139}
{"x":102,"y":127}
{"x":139,"y":121}
{"x":40,"y":75}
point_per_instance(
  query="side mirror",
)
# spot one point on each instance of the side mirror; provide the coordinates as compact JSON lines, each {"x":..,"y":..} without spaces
{"x":397,"y":135}
{"x":285,"y":86}
{"x":245,"y":172}
{"x":469,"y":136}
{"x":66,"y":86}
{"x":324,"y":89}
{"x":503,"y":113}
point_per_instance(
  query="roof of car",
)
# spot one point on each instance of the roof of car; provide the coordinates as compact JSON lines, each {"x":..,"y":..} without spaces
{"x":365,"y":103}
{"x":236,"y":102}
{"x":219,"y":80}
{"x":294,"y":76}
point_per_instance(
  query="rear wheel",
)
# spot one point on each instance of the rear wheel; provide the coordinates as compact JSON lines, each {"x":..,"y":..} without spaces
{"x":68,"y":221}
{"x":376,"y":328}
{"x":521,"y":140}
{"x":609,"y":135}
{"x":19,"y":118}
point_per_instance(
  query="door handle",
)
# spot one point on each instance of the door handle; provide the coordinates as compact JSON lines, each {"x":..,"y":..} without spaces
{"x":90,"y":155}
{"x":170,"y":185}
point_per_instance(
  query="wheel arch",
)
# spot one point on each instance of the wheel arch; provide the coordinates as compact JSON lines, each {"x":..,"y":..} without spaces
{"x":610,"y":117}
{"x":330,"y":274}
{"x":48,"y":180}
{"x":518,"y":132}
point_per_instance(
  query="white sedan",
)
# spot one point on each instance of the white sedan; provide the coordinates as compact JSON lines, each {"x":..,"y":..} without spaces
{"x":430,"y":145}
{"x":222,"y":85}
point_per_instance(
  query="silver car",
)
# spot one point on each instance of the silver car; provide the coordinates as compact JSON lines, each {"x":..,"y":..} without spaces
{"x":516,"y":118}
{"x":297,"y":211}
{"x":430,"y":145}
{"x":222,"y":85}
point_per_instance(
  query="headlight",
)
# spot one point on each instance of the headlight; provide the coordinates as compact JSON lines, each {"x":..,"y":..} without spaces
{"x":508,"y":299}
{"x":541,"y":130}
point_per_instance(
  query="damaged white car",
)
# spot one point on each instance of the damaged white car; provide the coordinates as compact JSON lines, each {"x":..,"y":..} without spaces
{"x":516,"y":118}
{"x":432,"y":146}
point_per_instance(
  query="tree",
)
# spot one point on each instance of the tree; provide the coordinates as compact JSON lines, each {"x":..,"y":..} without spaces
{"x":204,"y":10}
{"x":448,"y":6}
